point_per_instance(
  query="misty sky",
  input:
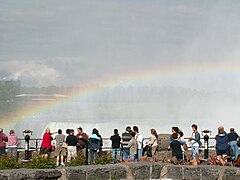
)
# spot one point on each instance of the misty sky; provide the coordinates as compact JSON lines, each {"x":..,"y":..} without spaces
{"x":68,"y":43}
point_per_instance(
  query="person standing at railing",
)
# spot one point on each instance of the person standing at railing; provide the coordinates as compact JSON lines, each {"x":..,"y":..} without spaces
{"x":82,"y":139}
{"x":126,"y":137}
{"x":61,"y":148}
{"x":101,"y":142}
{"x":12,"y":144}
{"x":3,"y":140}
{"x":71,"y":141}
{"x":133,"y":146}
{"x":46,"y":145}
{"x":195,"y":141}
{"x":94,"y":145}
{"x":116,"y":139}
{"x":139,"y":139}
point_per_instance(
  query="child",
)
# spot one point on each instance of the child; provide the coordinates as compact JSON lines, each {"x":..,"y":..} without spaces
{"x":133,"y":145}
{"x":176,"y":147}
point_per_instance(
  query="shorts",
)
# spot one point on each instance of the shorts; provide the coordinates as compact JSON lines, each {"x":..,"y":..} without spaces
{"x":222,"y":152}
{"x":61,"y":151}
{"x":44,"y":150}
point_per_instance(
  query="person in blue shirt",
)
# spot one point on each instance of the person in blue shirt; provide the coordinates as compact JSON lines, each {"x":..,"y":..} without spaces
{"x":94,"y":145}
{"x":233,"y":138}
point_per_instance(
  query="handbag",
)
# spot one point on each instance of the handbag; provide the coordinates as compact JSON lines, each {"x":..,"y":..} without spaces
{"x":53,"y":148}
{"x":64,"y":145}
{"x":238,"y":143}
{"x":185,"y":147}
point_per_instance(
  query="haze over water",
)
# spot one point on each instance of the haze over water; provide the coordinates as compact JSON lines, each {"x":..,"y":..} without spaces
{"x":115,"y":45}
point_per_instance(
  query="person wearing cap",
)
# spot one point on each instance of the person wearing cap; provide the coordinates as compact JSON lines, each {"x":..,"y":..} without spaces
{"x":233,"y":137}
{"x":71,"y":141}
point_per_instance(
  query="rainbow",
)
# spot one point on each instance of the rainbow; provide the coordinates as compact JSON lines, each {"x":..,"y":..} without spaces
{"x":132,"y":78}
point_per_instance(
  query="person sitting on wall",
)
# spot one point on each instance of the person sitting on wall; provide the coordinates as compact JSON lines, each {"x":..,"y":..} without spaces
{"x":176,"y":148}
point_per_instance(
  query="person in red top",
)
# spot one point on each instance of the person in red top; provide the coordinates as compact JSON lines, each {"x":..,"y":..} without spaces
{"x":46,"y":146}
{"x":3,"y":140}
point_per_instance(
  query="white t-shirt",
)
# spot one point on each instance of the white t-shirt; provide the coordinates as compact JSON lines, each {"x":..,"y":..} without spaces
{"x":139,"y":139}
{"x":193,"y":142}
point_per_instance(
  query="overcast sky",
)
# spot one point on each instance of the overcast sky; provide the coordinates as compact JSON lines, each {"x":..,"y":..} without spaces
{"x":57,"y":42}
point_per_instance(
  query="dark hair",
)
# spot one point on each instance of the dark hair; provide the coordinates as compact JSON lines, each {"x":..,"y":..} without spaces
{"x":128,"y":128}
{"x":59,"y":131}
{"x":176,"y":129}
{"x":174,"y":135}
{"x":11,"y":131}
{"x":80,"y":128}
{"x":133,"y":134}
{"x":95,"y":131}
{"x":115,"y":131}
{"x":181,"y":134}
{"x":194,"y":126}
{"x":69,"y":131}
{"x":135,"y":128}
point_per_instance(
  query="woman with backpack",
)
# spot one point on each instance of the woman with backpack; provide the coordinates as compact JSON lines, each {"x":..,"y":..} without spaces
{"x":94,"y":145}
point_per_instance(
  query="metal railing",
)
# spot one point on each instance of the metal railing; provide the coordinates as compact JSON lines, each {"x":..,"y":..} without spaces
{"x":35,"y":143}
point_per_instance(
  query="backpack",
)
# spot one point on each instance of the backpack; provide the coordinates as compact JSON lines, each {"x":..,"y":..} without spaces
{"x":185,"y":147}
{"x":238,"y":143}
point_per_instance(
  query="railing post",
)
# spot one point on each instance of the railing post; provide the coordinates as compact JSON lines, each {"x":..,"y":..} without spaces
{"x":36,"y":144}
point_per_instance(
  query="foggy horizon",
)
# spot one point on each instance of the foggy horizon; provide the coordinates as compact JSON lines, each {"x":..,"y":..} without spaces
{"x":127,"y":44}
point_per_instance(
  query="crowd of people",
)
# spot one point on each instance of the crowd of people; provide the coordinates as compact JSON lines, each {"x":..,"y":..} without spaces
{"x":226,"y":144}
{"x":127,"y":147}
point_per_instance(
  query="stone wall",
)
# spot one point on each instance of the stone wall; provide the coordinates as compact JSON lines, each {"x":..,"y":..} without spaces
{"x":142,"y":170}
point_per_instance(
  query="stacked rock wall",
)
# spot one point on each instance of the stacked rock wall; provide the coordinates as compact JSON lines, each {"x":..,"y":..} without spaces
{"x":141,"y":170}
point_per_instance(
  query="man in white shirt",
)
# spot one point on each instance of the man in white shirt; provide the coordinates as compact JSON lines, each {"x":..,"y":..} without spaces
{"x":139,"y":139}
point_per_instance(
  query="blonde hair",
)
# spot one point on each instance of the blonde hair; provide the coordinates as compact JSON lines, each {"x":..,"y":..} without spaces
{"x":47,"y":130}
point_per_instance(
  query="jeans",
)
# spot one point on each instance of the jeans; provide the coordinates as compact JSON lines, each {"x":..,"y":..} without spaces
{"x":195,"y":150}
{"x":126,"y":154}
{"x":93,"y":155}
{"x":132,"y":156}
{"x":116,"y":153}
{"x":139,"y":154}
{"x":234,"y":147}
{"x":12,"y":152}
